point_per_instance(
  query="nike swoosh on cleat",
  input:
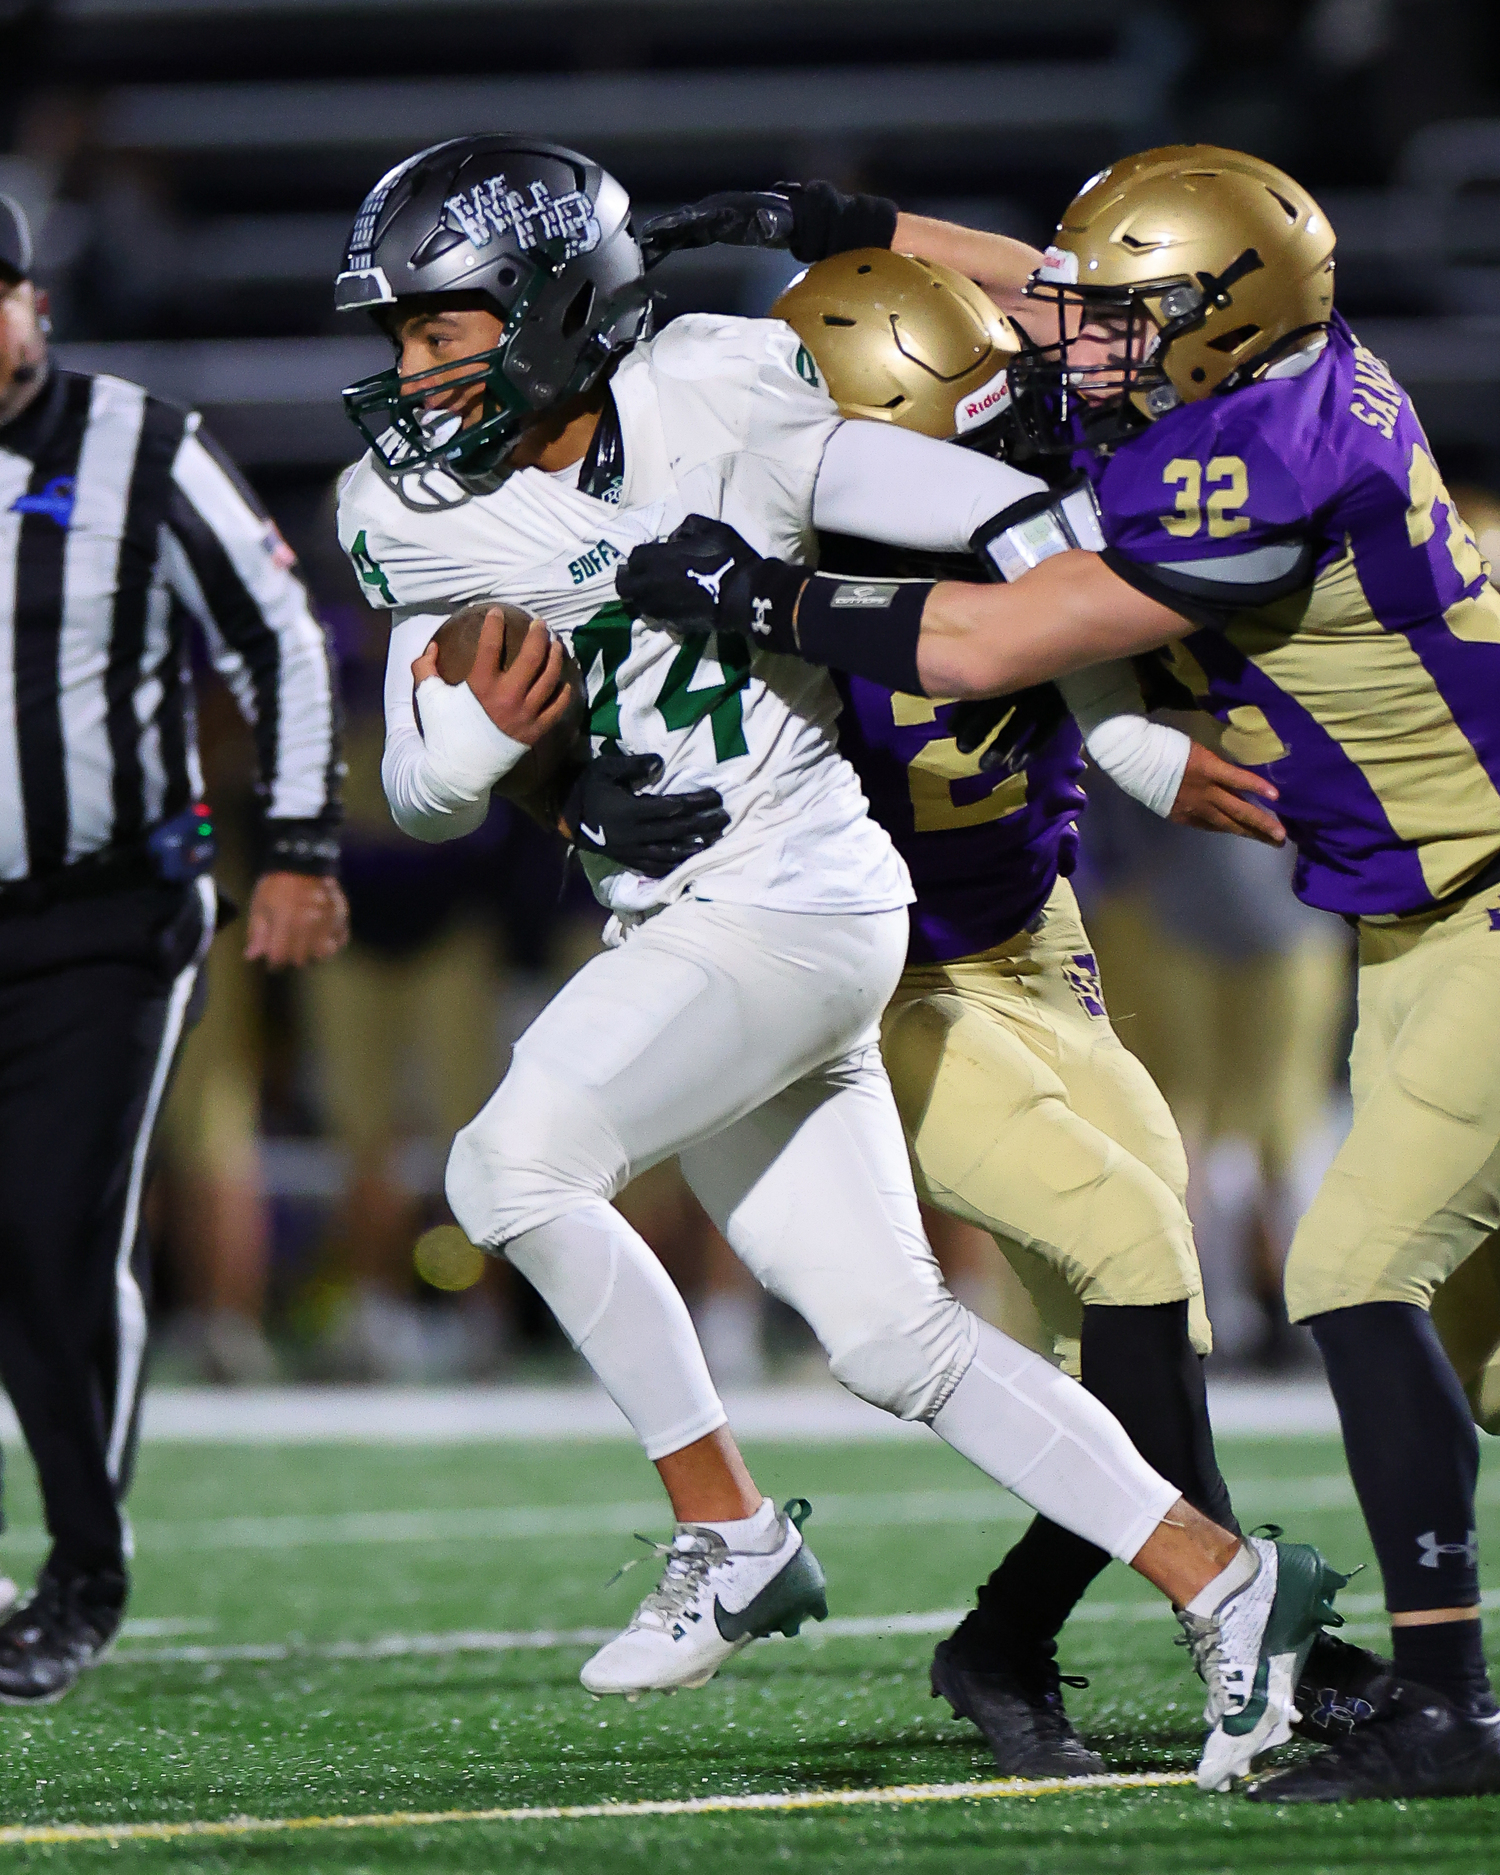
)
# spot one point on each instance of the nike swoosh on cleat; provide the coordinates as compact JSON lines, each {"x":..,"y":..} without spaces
{"x":596,"y":834}
{"x":794,"y":1595}
{"x":733,"y":1627}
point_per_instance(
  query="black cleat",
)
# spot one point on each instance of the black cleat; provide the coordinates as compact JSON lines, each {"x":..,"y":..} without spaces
{"x":1340,"y":1687}
{"x":67,"y":1623}
{"x":1418,"y":1746}
{"x":1019,"y":1708}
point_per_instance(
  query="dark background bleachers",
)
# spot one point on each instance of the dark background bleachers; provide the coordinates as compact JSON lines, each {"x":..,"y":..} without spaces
{"x":193,"y":165}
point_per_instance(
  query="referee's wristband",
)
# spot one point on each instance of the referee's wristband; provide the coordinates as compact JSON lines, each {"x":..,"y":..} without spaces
{"x":306,"y":846}
{"x":869,"y":627}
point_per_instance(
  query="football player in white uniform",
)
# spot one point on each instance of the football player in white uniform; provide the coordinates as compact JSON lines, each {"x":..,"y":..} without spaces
{"x":529,"y":436}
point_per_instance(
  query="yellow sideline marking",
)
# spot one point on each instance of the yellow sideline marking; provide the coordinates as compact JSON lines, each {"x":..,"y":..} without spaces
{"x":17,"y":1834}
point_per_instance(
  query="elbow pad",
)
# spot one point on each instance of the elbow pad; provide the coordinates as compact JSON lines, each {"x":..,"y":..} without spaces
{"x":1036,"y":527}
{"x":465,"y":750}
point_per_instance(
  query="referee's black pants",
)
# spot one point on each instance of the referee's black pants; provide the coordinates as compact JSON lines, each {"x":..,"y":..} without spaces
{"x":95,"y":994}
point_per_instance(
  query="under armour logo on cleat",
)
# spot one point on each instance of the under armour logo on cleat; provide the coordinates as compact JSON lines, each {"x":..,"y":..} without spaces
{"x":761,"y":609}
{"x":710,"y":581}
{"x":596,"y":834}
{"x":55,"y":501}
{"x":1336,"y":1711}
{"x":1432,"y":1550}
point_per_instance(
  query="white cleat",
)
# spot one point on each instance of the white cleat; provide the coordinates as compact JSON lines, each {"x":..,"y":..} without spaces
{"x":711,"y":1601}
{"x":1250,"y":1653}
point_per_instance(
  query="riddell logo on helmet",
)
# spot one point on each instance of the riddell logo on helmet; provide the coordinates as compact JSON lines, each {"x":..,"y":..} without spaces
{"x":979,"y":406}
{"x":1059,"y":267}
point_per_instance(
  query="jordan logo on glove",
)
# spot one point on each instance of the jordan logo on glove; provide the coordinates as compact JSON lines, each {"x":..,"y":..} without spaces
{"x":710,"y":581}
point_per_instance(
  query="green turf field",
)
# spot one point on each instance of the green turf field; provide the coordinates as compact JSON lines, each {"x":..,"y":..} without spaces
{"x":251,"y":1685}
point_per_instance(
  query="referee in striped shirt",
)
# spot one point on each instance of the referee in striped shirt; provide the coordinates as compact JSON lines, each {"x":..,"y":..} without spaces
{"x":121,"y":528}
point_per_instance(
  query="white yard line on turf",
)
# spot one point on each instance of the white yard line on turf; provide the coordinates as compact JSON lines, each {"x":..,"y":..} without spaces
{"x":531,"y":1640}
{"x":18,"y":1835}
{"x":536,"y":1522}
{"x":443,"y":1416}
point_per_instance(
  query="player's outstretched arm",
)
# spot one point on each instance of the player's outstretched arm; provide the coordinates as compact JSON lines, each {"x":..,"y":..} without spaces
{"x":999,"y":264}
{"x":814,"y":220}
{"x":1067,"y":613}
{"x":944,"y":639}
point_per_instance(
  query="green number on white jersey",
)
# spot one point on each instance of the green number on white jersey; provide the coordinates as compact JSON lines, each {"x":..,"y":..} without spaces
{"x":602,"y":646}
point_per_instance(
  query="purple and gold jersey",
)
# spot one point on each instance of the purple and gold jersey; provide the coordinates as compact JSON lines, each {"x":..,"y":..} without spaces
{"x":984,"y":850}
{"x":1350,"y":647}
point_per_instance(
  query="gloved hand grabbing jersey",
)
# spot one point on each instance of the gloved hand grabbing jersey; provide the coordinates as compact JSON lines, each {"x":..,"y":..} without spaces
{"x":812,"y":219}
{"x":1008,"y":731}
{"x":706,"y":577}
{"x":606,"y":813}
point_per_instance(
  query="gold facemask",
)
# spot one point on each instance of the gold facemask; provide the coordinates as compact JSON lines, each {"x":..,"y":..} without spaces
{"x":904,"y":341}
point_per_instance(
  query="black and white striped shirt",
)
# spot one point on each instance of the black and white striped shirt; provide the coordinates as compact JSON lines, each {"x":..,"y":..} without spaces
{"x":121,"y":525}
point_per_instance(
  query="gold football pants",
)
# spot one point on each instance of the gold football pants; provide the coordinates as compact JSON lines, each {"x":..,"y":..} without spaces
{"x":1026,"y":1116}
{"x":1414,"y":1192}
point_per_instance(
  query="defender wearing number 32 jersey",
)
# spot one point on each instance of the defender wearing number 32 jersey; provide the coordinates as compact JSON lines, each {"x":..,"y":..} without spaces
{"x":1272,"y":513}
{"x":733,"y":1020}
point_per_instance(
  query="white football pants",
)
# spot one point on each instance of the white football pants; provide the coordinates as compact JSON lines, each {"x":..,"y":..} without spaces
{"x":746,"y":1041}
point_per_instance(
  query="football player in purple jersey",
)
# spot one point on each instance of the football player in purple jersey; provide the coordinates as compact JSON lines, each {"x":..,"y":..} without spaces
{"x":1271,"y":510}
{"x":1024,"y":1113}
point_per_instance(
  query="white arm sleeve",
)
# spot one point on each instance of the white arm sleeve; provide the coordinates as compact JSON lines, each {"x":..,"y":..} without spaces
{"x":438,"y":782}
{"x":880,"y":483}
{"x":1146,"y":759}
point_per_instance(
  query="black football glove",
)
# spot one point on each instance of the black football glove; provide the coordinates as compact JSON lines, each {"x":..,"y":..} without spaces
{"x":812,"y":219}
{"x":1008,"y":730}
{"x":733,"y":218}
{"x":606,"y":813}
{"x":706,"y":577}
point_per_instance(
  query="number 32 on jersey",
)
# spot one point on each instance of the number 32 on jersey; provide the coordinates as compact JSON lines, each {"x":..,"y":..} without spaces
{"x":1228,"y":485}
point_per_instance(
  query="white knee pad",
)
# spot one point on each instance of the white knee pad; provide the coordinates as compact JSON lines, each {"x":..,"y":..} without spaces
{"x":1058,"y":1448}
{"x":536,"y":1150}
{"x":911,"y":1371}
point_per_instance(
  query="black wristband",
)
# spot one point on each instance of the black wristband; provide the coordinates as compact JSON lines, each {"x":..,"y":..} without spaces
{"x":869,"y":627}
{"x":307,"y":846}
{"x":826,"y":221}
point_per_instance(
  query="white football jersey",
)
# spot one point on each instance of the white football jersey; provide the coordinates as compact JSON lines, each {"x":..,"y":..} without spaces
{"x":718,"y":416}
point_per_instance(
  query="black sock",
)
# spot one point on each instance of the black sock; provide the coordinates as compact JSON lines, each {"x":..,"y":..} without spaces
{"x":1142,"y":1365}
{"x":1414,"y":1457}
{"x":1448,"y":1657}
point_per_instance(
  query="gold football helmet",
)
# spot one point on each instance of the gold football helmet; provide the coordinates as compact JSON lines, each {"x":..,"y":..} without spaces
{"x":904,"y":341}
{"x":1208,"y":264}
